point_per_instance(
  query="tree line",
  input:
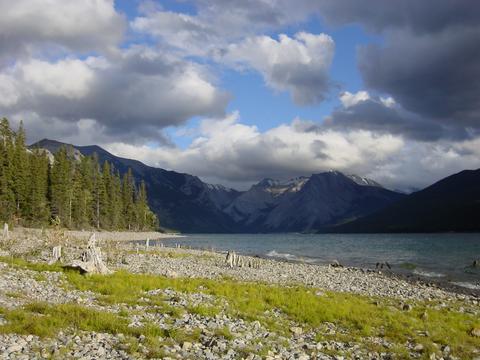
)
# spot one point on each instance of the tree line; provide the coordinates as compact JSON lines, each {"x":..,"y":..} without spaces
{"x":72,"y":191}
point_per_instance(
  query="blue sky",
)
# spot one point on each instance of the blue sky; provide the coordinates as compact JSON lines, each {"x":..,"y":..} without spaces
{"x":236,"y":91}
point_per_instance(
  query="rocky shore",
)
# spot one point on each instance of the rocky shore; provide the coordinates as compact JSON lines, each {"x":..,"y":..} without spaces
{"x":173,"y":312}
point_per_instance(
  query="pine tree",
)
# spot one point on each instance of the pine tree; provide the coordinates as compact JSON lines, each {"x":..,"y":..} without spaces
{"x":128,"y":193}
{"x":38,"y":210}
{"x":7,"y":196}
{"x":80,"y":192}
{"x":21,"y":181}
{"x":61,"y":181}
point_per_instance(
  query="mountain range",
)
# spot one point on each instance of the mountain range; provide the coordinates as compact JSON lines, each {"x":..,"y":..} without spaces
{"x":329,"y":201}
{"x":451,"y":204}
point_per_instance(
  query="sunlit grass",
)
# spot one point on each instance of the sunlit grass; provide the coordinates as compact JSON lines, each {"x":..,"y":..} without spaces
{"x":359,"y":316}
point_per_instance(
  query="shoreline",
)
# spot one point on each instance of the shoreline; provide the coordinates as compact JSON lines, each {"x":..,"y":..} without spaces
{"x":174,"y":303}
{"x":401,"y":275}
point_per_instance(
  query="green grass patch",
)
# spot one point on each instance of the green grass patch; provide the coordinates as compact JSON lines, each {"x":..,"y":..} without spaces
{"x":204,"y":310}
{"x":360,"y":317}
{"x":24,"y":264}
{"x":46,"y":320}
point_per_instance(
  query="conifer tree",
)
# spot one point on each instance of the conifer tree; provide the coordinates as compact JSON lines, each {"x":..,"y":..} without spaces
{"x":38,"y":210}
{"x":79,"y":192}
{"x":21,"y":170}
{"x":61,"y":181}
{"x":7,"y":196}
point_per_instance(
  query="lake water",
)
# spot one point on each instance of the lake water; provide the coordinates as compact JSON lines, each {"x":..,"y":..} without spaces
{"x":441,"y":256}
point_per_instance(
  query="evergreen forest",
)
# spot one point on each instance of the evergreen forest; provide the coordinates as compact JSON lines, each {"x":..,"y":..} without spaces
{"x":69,"y":189}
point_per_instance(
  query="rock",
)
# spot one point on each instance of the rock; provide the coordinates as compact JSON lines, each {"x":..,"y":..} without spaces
{"x":296,"y":330}
{"x":418,"y":348}
{"x":186,"y":345}
{"x":406,"y":307}
{"x":14,"y":348}
{"x":475,"y":332}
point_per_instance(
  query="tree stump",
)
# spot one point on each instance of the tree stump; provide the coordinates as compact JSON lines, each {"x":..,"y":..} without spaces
{"x":56,"y":254}
{"x":91,"y":261}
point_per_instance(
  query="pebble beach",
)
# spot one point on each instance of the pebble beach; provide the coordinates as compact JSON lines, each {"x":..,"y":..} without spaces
{"x":219,"y":334}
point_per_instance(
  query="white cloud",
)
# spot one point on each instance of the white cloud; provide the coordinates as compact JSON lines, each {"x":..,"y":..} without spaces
{"x":299,"y":64}
{"x":69,"y":78}
{"x":248,"y":155}
{"x":32,"y":26}
{"x":388,"y":101}
{"x":348,"y":99}
{"x":133,"y":95}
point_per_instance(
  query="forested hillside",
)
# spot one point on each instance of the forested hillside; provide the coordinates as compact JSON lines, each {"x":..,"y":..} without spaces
{"x":73,"y":190}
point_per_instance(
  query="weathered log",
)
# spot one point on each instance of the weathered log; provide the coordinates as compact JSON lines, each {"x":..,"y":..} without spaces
{"x":56,"y":254}
{"x":5,"y":231}
{"x":91,"y":261}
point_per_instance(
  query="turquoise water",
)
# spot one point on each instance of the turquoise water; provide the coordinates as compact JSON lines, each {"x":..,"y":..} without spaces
{"x":440,"y":256}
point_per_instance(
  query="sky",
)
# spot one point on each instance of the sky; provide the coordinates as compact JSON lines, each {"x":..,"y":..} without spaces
{"x":235,"y":91}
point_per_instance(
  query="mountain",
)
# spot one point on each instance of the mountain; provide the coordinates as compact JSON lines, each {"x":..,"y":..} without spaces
{"x":451,"y":204}
{"x":181,"y":201}
{"x":308,"y":203}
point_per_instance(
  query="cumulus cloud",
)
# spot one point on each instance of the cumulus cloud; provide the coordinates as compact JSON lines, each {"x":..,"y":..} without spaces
{"x":299,"y":65}
{"x":429,"y":61}
{"x":138,"y":93}
{"x":348,"y":99}
{"x":432,"y":75}
{"x":35,"y":26}
{"x":296,"y":149}
{"x":385,"y":116}
{"x":215,"y":23}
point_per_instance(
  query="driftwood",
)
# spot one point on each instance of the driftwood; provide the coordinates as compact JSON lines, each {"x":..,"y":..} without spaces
{"x":336,"y":264}
{"x":234,"y":260}
{"x":56,"y":254}
{"x":380,"y":265}
{"x":5,"y":231}
{"x":91,"y":261}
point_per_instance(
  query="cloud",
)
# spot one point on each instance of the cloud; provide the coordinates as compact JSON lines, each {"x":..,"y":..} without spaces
{"x":348,"y":99}
{"x":432,"y":75}
{"x":32,"y":26}
{"x":429,"y":59}
{"x":421,"y":17}
{"x":138,"y":93}
{"x":303,"y":148}
{"x":299,"y":65}
{"x":385,"y":116}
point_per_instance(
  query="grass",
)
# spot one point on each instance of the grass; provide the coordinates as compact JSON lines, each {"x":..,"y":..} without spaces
{"x":361,"y":317}
{"x":45,"y":320}
{"x":24,"y":264}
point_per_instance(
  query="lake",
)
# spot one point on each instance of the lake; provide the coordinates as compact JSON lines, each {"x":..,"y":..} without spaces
{"x":441,"y":256}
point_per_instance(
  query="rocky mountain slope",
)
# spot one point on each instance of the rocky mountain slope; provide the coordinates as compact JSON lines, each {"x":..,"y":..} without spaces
{"x":451,"y":204}
{"x":308,"y":203}
{"x":181,"y":201}
{"x":184,"y":202}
